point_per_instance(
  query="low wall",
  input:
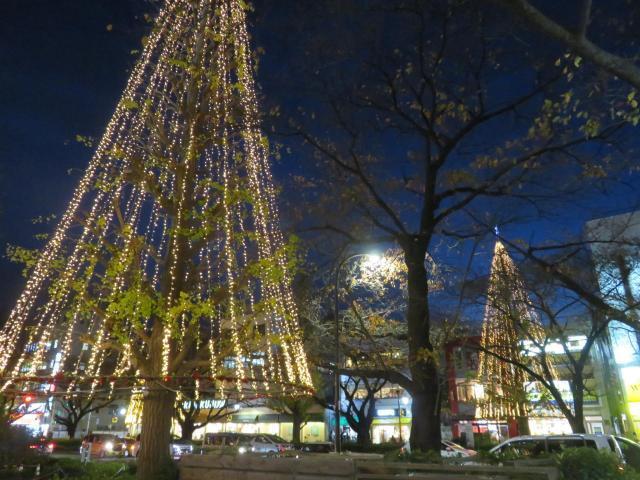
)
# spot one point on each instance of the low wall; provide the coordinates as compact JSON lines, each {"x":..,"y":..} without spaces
{"x":254,"y":467}
{"x":331,"y":466}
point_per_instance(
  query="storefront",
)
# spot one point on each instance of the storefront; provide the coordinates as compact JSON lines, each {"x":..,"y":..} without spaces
{"x":36,"y":420}
{"x":390,"y":429}
{"x":631,"y":380}
{"x":263,"y":420}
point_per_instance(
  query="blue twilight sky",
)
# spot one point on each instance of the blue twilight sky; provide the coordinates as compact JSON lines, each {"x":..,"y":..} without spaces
{"x":63,"y":64}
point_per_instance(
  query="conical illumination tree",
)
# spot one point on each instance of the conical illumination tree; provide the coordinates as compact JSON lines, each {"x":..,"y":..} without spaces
{"x":168,"y":264}
{"x":509,"y":324}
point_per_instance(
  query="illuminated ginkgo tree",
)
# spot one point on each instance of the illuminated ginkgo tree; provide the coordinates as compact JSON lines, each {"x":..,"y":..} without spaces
{"x":168,"y":266}
{"x":511,"y":336}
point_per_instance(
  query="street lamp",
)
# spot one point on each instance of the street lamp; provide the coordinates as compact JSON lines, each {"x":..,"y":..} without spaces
{"x":376,"y":260}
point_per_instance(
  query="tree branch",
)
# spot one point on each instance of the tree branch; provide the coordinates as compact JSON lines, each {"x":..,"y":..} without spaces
{"x":576,"y":41}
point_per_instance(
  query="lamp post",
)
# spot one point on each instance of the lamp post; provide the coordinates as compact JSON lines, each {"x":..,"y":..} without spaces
{"x":398,"y":393}
{"x":336,"y":311}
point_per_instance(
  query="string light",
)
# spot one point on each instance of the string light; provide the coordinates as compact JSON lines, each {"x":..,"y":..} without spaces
{"x":181,"y":206}
{"x":508,"y":320}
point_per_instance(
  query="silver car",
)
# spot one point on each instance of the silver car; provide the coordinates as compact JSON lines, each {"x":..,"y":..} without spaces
{"x":532,"y":446}
{"x":246,"y":442}
{"x":264,"y":443}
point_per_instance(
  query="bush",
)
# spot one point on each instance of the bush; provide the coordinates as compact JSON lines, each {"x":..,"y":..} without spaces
{"x":483,"y":442}
{"x":67,"y":444}
{"x":418,"y":457}
{"x":382,"y":448}
{"x":72,"y":468}
{"x":14,"y":445}
{"x":588,"y":464}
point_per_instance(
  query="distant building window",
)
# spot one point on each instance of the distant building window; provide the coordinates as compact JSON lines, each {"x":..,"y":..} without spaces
{"x":465,"y":392}
{"x":386,"y":412}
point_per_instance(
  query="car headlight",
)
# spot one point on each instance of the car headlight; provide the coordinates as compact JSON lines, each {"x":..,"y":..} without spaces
{"x":108,"y":446}
{"x":242,"y":450}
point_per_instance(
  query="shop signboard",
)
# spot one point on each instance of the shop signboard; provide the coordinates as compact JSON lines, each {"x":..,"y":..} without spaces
{"x":631,"y":380}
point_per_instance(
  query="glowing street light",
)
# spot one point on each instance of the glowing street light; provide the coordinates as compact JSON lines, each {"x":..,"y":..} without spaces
{"x":373,"y":261}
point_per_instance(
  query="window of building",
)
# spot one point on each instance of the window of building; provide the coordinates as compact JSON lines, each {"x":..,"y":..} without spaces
{"x":466,"y":391}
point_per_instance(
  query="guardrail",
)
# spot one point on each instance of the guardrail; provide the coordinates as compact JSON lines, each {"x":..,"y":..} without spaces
{"x":330,"y":466}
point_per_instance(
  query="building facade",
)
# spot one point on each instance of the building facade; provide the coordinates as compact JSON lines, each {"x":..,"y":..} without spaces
{"x":616,"y":257}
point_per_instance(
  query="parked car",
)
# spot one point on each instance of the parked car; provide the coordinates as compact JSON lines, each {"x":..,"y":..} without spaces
{"x":448,"y":450}
{"x":101,"y":445}
{"x":533,"y":446}
{"x":179,"y":449}
{"x":317,"y":447}
{"x":453,"y":450}
{"x":129,"y":448}
{"x":246,"y":442}
{"x":176,"y":449}
{"x":43,"y":446}
{"x":271,"y":443}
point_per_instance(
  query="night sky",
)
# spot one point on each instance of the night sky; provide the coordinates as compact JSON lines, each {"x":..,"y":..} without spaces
{"x":63,"y":66}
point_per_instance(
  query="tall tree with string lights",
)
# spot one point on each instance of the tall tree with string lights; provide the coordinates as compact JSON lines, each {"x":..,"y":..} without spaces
{"x":168,"y":266}
{"x":509,"y":324}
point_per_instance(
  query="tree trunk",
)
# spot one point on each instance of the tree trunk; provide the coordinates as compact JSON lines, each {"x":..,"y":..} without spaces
{"x":296,"y":418}
{"x":577,"y":419}
{"x":186,"y":429}
{"x":425,"y":422}
{"x":154,"y":460}
{"x":577,"y":424}
{"x":364,"y":433}
{"x":71,"y":430}
{"x":523,"y":426}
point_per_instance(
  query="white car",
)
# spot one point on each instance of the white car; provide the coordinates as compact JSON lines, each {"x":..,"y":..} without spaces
{"x":532,"y":446}
{"x":264,"y":443}
{"x":246,"y":442}
{"x":449,"y":450}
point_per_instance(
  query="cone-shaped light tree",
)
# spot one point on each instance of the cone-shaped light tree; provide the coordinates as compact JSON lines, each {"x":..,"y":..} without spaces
{"x":168,"y":266}
{"x":509,"y":323}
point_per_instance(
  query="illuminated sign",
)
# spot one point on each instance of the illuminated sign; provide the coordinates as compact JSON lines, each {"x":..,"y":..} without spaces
{"x":631,"y":379}
{"x":207,"y":404}
{"x":386,"y":412}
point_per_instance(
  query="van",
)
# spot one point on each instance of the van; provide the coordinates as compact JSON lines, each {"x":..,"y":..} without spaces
{"x":100,"y":445}
{"x":535,"y":446}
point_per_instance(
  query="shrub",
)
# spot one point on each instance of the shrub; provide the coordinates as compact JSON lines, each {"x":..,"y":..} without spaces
{"x":483,"y":442}
{"x":73,"y":468}
{"x":418,"y":457}
{"x":14,"y":445}
{"x":382,"y":448}
{"x":589,"y":464}
{"x":67,"y":444}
